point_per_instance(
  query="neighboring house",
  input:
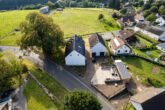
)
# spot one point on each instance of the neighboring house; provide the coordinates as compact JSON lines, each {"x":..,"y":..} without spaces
{"x":128,"y":20}
{"x":161,"y":47}
{"x":121,"y":68}
{"x":44,"y":9}
{"x":127,"y":36}
{"x":139,"y":18}
{"x":149,"y":99}
{"x":75,"y":52}
{"x":161,"y":20}
{"x":162,"y":56}
{"x":97,"y":45}
{"x":151,"y":31}
{"x":6,"y":104}
{"x":119,"y":47}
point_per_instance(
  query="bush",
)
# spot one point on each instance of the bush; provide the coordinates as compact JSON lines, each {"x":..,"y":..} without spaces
{"x":101,"y":16}
{"x":150,"y":81}
{"x":123,"y":11}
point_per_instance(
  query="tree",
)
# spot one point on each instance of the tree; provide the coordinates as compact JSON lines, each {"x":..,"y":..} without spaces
{"x":101,"y":16}
{"x":41,"y":32}
{"x":154,"y":9}
{"x":114,"y":4}
{"x":146,"y":13}
{"x":81,"y":100}
{"x":162,"y":10}
{"x":146,"y":6}
{"x":151,"y":17}
{"x":51,"y":5}
{"x":123,"y":11}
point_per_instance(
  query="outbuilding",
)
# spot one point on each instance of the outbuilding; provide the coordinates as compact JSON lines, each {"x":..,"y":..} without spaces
{"x":75,"y":52}
{"x":97,"y":45}
{"x":44,"y":9}
{"x":161,"y":47}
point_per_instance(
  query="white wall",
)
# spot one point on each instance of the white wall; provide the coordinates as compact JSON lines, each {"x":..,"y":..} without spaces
{"x":75,"y":59}
{"x":98,"y":48}
{"x":156,"y":37}
{"x":136,"y":105}
{"x":123,"y":50}
{"x":160,"y":48}
{"x":161,"y":21}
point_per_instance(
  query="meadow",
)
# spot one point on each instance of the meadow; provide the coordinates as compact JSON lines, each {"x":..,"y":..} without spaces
{"x":80,"y":21}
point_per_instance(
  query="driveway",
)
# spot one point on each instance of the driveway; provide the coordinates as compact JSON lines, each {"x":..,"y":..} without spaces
{"x":66,"y":78}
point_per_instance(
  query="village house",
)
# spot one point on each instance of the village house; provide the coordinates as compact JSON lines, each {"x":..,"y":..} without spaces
{"x":161,"y":20}
{"x":139,"y":18}
{"x":122,"y":70}
{"x":128,"y":20}
{"x":75,"y":52}
{"x":151,"y":31}
{"x":127,"y":36}
{"x":118,"y":47}
{"x":149,"y":99}
{"x":44,"y":9}
{"x":97,"y":45}
{"x":161,"y":47}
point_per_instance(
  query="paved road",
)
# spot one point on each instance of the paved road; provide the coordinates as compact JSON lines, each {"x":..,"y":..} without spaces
{"x":67,"y":79}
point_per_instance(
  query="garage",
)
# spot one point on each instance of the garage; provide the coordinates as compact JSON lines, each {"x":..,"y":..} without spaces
{"x":102,"y":54}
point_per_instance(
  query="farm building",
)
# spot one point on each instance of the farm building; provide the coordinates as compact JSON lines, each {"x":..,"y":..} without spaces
{"x":128,"y":20}
{"x":127,"y":36}
{"x":161,"y":20}
{"x":122,"y":70}
{"x":44,"y":9}
{"x":151,"y":31}
{"x":139,"y":18}
{"x":118,"y":46}
{"x":75,"y":52}
{"x":161,"y":47}
{"x":149,"y":99}
{"x":97,"y":45}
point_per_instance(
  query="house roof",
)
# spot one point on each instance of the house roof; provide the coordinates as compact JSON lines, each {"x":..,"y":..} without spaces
{"x":126,"y":34}
{"x":75,"y":43}
{"x":117,"y":43}
{"x":94,"y":39}
{"x":161,"y":45}
{"x":128,"y":18}
{"x":151,"y":98}
{"x":45,"y":7}
{"x":138,"y":16}
{"x":154,"y":30}
{"x":122,"y":69}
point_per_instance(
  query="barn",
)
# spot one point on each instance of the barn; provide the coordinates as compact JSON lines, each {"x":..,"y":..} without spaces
{"x":97,"y":45}
{"x":75,"y":52}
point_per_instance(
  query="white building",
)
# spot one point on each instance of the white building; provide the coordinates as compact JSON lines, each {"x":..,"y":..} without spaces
{"x":75,"y":52}
{"x":118,"y":47}
{"x":97,"y":45}
{"x":161,"y":47}
{"x":161,"y":20}
{"x":149,"y":99}
{"x":151,"y":31}
{"x":44,"y":9}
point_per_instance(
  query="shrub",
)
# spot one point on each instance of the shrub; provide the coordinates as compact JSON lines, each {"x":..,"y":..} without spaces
{"x":101,"y":16}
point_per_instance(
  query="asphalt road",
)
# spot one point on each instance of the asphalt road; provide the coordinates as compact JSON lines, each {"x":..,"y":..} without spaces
{"x":66,"y":78}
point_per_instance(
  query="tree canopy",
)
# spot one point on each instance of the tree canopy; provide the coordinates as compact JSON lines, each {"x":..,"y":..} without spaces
{"x":41,"y":32}
{"x":81,"y":100}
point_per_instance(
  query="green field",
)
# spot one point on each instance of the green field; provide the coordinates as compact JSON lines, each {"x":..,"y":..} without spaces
{"x":144,"y":70}
{"x":36,"y":98}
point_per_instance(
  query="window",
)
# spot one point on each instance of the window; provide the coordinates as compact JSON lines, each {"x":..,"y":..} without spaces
{"x":118,"y":51}
{"x":126,"y":51}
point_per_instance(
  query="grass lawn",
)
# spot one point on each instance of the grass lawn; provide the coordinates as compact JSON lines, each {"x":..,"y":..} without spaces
{"x":144,"y":70}
{"x":83,"y":21}
{"x":143,"y":42}
{"x":49,"y":82}
{"x":130,"y":107}
{"x":36,"y":98}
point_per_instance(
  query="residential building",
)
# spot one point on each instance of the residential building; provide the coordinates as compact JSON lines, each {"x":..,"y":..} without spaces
{"x":151,"y":31}
{"x":149,"y":99}
{"x":161,"y":47}
{"x":122,"y":70}
{"x":6,"y":104}
{"x":139,"y":18}
{"x":97,"y":45}
{"x":44,"y":9}
{"x":161,"y":20}
{"x":75,"y":52}
{"x":128,"y":20}
{"x":118,"y":47}
{"x":127,"y":36}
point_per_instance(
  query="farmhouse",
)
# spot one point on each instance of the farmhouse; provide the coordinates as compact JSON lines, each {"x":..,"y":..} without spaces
{"x":128,"y":36}
{"x":75,"y":52}
{"x":161,"y":20}
{"x":151,"y":31}
{"x":122,"y":70}
{"x":128,"y":20}
{"x":149,"y":99}
{"x":44,"y":9}
{"x":161,"y":47}
{"x":139,"y":18}
{"x":118,"y":46}
{"x":97,"y":45}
